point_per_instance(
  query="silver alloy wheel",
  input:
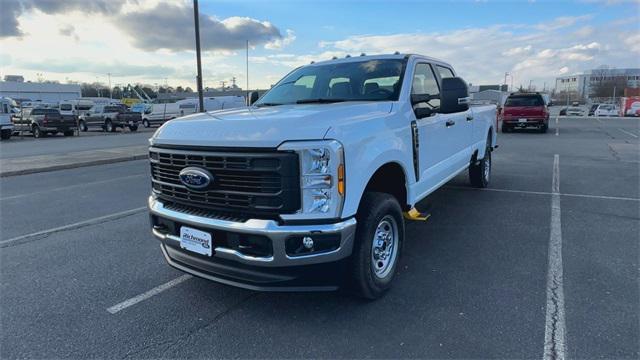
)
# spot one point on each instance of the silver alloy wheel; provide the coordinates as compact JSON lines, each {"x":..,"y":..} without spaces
{"x":487,"y":166}
{"x":384,"y":248}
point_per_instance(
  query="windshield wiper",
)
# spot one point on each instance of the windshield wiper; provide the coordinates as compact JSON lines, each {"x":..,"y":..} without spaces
{"x":268,"y":104}
{"x":320,"y":101}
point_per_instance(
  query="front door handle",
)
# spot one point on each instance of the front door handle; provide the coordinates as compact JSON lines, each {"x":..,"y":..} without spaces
{"x":469,"y":117}
{"x":450,"y":123}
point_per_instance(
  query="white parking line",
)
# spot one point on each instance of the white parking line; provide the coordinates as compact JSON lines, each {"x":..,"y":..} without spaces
{"x":75,"y":225}
{"x":554,"y":334}
{"x":598,"y":120}
{"x":557,"y":131}
{"x":547,"y":193}
{"x":629,"y":133}
{"x":72,"y":186}
{"x":556,"y":119}
{"x":144,"y":296}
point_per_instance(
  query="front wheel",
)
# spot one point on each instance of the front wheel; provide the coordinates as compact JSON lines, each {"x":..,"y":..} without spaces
{"x":37,"y":133}
{"x":378,"y":244}
{"x":480,"y":171}
{"x":5,"y":134}
{"x":108,"y":126}
{"x":83,"y":125}
{"x":133,"y":128}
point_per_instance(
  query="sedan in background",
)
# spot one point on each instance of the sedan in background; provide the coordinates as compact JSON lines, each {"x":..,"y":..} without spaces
{"x":575,"y":111}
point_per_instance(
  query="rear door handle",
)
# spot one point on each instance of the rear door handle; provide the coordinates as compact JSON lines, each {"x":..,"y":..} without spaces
{"x":450,"y":123}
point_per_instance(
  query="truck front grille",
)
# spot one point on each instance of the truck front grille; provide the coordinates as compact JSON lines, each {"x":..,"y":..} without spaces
{"x":262,"y":184}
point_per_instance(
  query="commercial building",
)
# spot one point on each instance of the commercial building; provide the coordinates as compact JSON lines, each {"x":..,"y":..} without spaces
{"x":583,"y":84}
{"x":45,"y":92}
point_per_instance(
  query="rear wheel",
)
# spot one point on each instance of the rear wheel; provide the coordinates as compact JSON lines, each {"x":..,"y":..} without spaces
{"x":480,"y":171}
{"x":133,"y":128}
{"x":378,"y":244}
{"x":68,"y":133}
{"x":544,"y":128}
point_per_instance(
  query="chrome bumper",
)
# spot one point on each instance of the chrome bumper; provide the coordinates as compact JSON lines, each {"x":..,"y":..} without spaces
{"x":268,"y":228}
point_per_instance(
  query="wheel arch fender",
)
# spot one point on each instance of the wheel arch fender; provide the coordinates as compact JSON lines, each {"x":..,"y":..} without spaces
{"x":383,"y":175}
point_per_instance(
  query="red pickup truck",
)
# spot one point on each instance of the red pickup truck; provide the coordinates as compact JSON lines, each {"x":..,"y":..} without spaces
{"x":525,"y":110}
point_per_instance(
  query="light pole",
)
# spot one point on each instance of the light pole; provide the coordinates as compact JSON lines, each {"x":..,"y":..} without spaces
{"x":199,"y":78}
{"x":110,"y":93}
{"x":505,"y":80}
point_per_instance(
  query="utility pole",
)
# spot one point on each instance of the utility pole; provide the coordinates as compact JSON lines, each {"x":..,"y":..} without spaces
{"x":529,"y":88}
{"x":199,"y":78}
{"x":614,"y":94}
{"x":110,"y":93}
{"x":247,"y":70}
{"x":505,"y":79}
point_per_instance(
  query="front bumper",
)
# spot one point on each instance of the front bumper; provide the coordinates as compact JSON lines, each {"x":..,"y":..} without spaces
{"x":277,"y":271}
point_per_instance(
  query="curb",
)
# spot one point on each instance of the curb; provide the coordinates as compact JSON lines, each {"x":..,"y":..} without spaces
{"x":74,"y":165}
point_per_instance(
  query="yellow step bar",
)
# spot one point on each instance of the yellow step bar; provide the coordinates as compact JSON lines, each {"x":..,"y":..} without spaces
{"x":416,"y":215}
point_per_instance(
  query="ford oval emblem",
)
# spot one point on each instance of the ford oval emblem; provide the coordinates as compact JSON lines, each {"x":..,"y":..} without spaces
{"x":196,"y":178}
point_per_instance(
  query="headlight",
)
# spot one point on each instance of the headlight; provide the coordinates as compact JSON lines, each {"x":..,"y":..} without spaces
{"x":321,"y":178}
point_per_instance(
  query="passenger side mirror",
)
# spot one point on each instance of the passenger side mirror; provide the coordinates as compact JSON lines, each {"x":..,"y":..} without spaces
{"x":253,"y":97}
{"x":455,"y":96}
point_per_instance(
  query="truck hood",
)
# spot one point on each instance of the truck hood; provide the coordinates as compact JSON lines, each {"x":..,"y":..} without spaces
{"x":265,"y":126}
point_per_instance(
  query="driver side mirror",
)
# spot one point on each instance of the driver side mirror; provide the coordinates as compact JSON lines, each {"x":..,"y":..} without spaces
{"x":253,"y":97}
{"x":455,"y":96}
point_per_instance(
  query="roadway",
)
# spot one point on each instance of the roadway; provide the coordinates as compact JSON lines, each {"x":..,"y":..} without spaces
{"x":473,"y":281}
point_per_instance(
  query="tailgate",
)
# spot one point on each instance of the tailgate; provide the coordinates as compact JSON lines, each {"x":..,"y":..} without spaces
{"x":524,"y":111}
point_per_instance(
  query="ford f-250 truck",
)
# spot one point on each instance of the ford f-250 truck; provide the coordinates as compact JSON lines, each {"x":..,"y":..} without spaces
{"x":308,"y":188}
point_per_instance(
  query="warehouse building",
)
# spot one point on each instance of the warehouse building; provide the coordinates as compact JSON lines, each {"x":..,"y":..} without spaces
{"x":582,"y":84}
{"x":45,"y":92}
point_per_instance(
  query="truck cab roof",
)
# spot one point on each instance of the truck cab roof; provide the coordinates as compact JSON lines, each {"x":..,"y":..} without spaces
{"x":364,"y":57}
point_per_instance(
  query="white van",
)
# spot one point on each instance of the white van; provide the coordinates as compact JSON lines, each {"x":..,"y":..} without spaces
{"x":190,"y":106}
{"x":159,"y":113}
{"x":6,"y":111}
{"x":76,"y":107}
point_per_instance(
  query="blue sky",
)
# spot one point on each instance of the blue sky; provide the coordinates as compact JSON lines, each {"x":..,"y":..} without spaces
{"x":151,"y":41}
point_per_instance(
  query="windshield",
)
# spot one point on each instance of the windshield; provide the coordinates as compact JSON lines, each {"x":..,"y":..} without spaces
{"x":372,"y":80}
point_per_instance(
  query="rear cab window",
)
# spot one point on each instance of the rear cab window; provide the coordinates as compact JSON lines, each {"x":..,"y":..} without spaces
{"x":524,"y":100}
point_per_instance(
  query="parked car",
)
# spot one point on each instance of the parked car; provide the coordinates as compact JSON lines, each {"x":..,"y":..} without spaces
{"x":109,"y":118}
{"x":575,"y":111}
{"x":76,"y":108}
{"x":592,"y":109}
{"x":6,"y":125}
{"x":563,"y":112}
{"x":309,"y":187}
{"x":525,"y":110}
{"x":43,"y":121}
{"x":607,"y":110}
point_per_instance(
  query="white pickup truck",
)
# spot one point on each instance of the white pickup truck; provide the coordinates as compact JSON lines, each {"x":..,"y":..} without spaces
{"x":309,"y":187}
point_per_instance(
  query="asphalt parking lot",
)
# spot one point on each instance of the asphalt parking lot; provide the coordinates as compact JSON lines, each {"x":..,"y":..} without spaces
{"x":82,"y":277}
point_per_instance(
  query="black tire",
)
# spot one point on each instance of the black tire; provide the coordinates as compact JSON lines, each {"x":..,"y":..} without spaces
{"x":5,"y":134}
{"x":82,"y":125}
{"x":36,"y":132}
{"x":108,"y":126}
{"x":146,"y":123}
{"x":480,"y":171}
{"x":69,"y":133}
{"x":369,"y":279}
{"x":133,"y":128}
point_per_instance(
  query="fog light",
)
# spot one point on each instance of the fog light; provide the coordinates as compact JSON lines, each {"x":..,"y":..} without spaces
{"x":307,"y":242}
